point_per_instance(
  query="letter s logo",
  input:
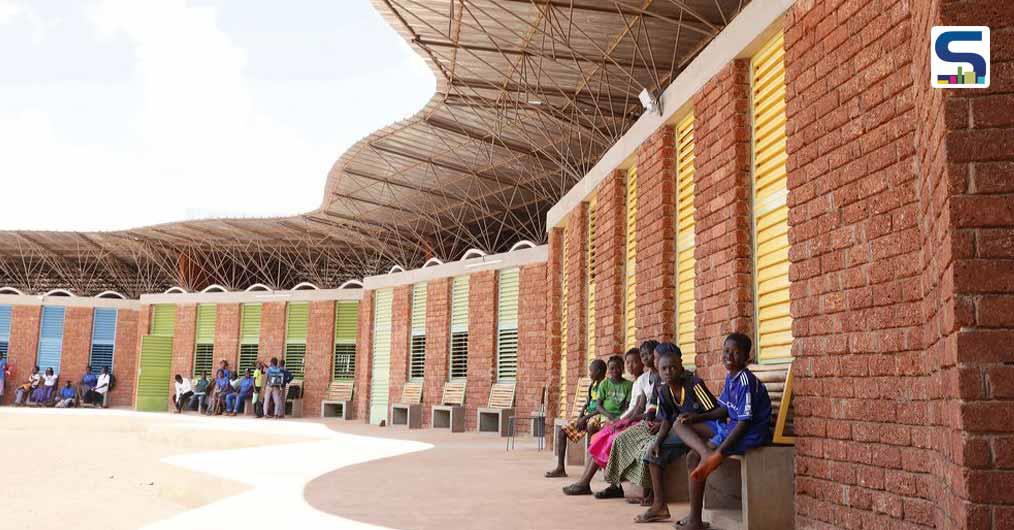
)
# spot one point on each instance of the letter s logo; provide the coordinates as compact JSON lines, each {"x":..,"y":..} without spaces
{"x":959,"y":57}
{"x":944,"y":52}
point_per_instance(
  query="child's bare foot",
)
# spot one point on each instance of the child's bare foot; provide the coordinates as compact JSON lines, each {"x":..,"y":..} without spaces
{"x":707,"y":465}
{"x":556,"y":473}
{"x":652,"y":516}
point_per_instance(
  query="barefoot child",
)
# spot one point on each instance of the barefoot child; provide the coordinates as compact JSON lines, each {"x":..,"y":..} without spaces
{"x":680,"y":393}
{"x":574,"y":430}
{"x":741,"y":421}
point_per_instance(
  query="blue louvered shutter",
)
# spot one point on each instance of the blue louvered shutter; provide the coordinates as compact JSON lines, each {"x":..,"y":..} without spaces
{"x":103,"y":339}
{"x":5,"y":328}
{"x":51,"y":339}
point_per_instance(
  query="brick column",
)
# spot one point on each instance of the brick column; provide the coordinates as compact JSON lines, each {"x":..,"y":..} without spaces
{"x":482,"y":319}
{"x":319,"y":351}
{"x":576,"y":233}
{"x":656,"y":240}
{"x":364,"y":352}
{"x":227,"y":334}
{"x":23,"y":346}
{"x":272,"y":338}
{"x":184,"y":336}
{"x":438,"y":336}
{"x":610,"y":226}
{"x":533,"y":361}
{"x":722,"y":201}
{"x":553,"y":277}
{"x":77,"y":343}
{"x":125,"y":354}
{"x":401,"y":326}
{"x":143,"y":328}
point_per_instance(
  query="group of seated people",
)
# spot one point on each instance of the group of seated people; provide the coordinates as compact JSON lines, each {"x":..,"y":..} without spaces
{"x":638,"y":427}
{"x":42,"y":390}
{"x":228,"y":391}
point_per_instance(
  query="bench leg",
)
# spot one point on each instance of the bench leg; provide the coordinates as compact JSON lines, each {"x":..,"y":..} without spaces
{"x":768,"y":488}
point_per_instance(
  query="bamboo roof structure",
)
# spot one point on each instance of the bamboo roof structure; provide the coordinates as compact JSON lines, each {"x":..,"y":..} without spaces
{"x":530,"y":94}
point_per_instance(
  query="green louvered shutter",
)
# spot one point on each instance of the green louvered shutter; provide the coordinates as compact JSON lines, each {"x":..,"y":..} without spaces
{"x":103,"y":339}
{"x":249,"y":335}
{"x":204,"y":348}
{"x":346,"y":319}
{"x":507,"y":326}
{"x":417,"y":347}
{"x":163,"y":320}
{"x":380,"y":382}
{"x":5,"y":328}
{"x":296,"y":324}
{"x":153,"y":377}
{"x":459,"y":328}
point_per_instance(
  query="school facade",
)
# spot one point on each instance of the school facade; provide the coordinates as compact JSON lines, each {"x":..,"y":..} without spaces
{"x":803,"y":184}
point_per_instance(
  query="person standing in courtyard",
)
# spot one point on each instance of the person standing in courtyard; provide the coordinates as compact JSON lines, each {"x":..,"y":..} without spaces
{"x":88,"y":382}
{"x":274,"y":395}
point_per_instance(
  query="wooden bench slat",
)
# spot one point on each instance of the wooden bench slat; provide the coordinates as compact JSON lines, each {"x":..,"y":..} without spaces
{"x":339,"y":391}
{"x":454,"y":393}
{"x":501,"y":396}
{"x":580,"y":396}
{"x":411,"y":394}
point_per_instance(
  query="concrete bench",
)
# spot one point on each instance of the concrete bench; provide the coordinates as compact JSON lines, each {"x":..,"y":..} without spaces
{"x":294,"y":406}
{"x":337,"y":402}
{"x":494,"y":417}
{"x":575,"y":450}
{"x":409,"y":411}
{"x":450,"y":413}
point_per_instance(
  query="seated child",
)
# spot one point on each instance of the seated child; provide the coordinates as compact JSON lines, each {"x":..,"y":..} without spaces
{"x":244,"y":390}
{"x":588,"y":418}
{"x":44,"y":393}
{"x":88,"y":382}
{"x":741,"y":422}
{"x":67,"y":398}
{"x":198,"y":400}
{"x":223,"y":387}
{"x":24,"y":391}
{"x":680,"y":392}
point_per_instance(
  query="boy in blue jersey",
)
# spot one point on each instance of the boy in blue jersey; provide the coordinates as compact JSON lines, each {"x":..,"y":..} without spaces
{"x":741,"y":421}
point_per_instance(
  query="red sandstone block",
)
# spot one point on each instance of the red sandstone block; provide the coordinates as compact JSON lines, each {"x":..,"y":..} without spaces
{"x":987,"y":417}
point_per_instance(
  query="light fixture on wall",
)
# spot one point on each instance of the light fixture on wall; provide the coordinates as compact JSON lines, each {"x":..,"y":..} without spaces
{"x":650,"y":102}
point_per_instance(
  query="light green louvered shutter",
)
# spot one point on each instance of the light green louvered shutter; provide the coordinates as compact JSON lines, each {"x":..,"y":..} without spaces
{"x":204,"y":348}
{"x":153,"y":378}
{"x":459,"y":328}
{"x":296,"y":324}
{"x":507,"y":326}
{"x":346,"y":318}
{"x":249,"y":336}
{"x":417,"y":347}
{"x":380,"y":382}
{"x":163,"y":320}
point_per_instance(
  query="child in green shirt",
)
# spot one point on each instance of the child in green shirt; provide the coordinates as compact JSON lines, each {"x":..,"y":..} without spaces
{"x":614,"y":392}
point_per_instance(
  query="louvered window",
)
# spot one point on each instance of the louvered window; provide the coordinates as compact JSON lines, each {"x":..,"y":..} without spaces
{"x":346,"y":318}
{"x":163,"y":320}
{"x":249,"y":336}
{"x":380,"y":380}
{"x":770,"y":222}
{"x":417,"y":346}
{"x":459,"y":328}
{"x":51,"y":339}
{"x":296,"y":325}
{"x":204,"y":348}
{"x":564,"y":324}
{"x":630,"y":278}
{"x":103,"y":339}
{"x":590,"y":324}
{"x":5,"y":328}
{"x":507,"y":326}
{"x":685,"y":263}
{"x":153,"y":376}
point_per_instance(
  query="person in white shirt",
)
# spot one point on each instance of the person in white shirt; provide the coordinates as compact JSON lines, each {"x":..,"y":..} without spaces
{"x":97,"y":395}
{"x":183,"y":392}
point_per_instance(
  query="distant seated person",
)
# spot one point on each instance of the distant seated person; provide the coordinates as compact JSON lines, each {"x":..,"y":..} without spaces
{"x":184,"y":391}
{"x":25,"y":391}
{"x":223,"y":387}
{"x":102,"y":387}
{"x":245,"y":389}
{"x":45,"y":393}
{"x":199,"y":400}
{"x":88,"y":382}
{"x":588,"y":419}
{"x":68,"y":397}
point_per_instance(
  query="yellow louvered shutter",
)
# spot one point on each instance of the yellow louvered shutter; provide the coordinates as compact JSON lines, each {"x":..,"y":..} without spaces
{"x":590,"y":326}
{"x":296,"y":325}
{"x":507,"y":326}
{"x":381,"y":377}
{"x":204,"y":349}
{"x":685,"y":239}
{"x":771,"y":242}
{"x":630,"y":298}
{"x":249,"y":335}
{"x":163,"y":320}
{"x":417,"y":345}
{"x":565,"y":287}
{"x":346,"y":322}
{"x":459,"y":328}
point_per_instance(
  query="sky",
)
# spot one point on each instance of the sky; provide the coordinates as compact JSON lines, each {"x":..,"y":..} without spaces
{"x":123,"y":113}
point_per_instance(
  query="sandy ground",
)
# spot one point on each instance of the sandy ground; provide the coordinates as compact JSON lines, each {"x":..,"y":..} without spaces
{"x":68,"y":467}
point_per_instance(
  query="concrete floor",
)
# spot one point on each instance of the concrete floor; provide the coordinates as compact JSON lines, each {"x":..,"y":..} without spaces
{"x":467,"y":481}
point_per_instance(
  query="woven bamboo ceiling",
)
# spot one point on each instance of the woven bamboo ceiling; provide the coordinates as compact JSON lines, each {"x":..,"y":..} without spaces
{"x":530,"y":94}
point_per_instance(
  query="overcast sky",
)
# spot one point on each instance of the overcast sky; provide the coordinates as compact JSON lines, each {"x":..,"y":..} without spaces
{"x":124,"y":113}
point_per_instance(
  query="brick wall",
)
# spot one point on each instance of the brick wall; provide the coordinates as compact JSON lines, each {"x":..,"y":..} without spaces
{"x":656,"y":249}
{"x":553,"y":276}
{"x":482,"y":320}
{"x":533,"y":361}
{"x":125,"y":353}
{"x":227,"y":334}
{"x":364,"y":348}
{"x":272,"y":338}
{"x":77,"y":343}
{"x":401,"y":326}
{"x":723,"y":225}
{"x":23,"y":346}
{"x":576,"y":233}
{"x":143,"y":327}
{"x":610,"y":226}
{"x":319,"y":351}
{"x":438,"y":329}
{"x":184,"y":336}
